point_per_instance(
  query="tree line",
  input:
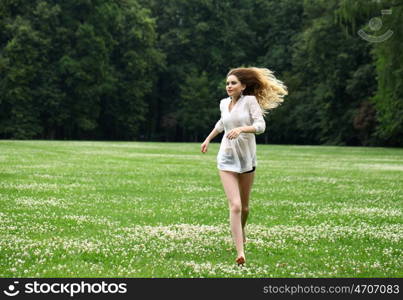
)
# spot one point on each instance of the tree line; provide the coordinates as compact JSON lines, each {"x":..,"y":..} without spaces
{"x":154,"y":70}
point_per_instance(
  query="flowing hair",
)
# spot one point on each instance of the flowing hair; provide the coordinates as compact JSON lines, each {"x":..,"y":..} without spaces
{"x":260,"y":82}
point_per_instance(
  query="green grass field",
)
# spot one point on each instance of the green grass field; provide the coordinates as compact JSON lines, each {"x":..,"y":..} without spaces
{"x":134,"y":209}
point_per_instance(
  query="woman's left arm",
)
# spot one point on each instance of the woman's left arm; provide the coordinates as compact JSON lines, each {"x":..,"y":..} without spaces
{"x":247,"y":129}
{"x":259,"y":125}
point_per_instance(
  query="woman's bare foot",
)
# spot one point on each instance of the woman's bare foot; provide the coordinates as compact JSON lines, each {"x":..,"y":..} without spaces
{"x":240,"y":260}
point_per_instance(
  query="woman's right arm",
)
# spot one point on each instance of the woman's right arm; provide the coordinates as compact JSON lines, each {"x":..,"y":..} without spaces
{"x":213,"y":134}
{"x":210,"y":137}
{"x":218,"y":128}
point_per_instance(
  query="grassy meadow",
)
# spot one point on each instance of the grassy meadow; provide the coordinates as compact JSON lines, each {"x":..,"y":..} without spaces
{"x":148,"y":209}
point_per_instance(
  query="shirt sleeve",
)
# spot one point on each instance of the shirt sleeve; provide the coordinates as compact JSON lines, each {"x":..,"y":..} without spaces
{"x":219,"y":126}
{"x":257,"y":116}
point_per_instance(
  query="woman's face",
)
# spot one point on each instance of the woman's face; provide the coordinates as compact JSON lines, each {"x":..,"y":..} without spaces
{"x":234,"y":86}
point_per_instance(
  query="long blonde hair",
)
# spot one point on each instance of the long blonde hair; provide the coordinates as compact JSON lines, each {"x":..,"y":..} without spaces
{"x":261,"y":82}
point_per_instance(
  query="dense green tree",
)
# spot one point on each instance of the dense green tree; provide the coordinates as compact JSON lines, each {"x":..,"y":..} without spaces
{"x":197,"y":108}
{"x":155,"y":69}
{"x":377,"y":19}
{"x":75,"y":69}
{"x":321,"y":108}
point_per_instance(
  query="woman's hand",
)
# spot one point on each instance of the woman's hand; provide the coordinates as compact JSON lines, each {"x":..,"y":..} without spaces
{"x":234,"y":133}
{"x":204,"y":146}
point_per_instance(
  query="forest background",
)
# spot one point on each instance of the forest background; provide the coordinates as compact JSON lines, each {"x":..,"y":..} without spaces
{"x":155,"y":70}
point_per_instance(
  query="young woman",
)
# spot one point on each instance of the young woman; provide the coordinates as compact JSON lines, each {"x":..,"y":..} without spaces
{"x":252,"y":92}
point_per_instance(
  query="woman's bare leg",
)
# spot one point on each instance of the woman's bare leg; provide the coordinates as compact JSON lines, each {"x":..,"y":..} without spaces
{"x":231,"y":187}
{"x":245,"y":187}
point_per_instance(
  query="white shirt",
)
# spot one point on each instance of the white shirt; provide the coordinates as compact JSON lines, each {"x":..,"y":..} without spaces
{"x":239,"y":154}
